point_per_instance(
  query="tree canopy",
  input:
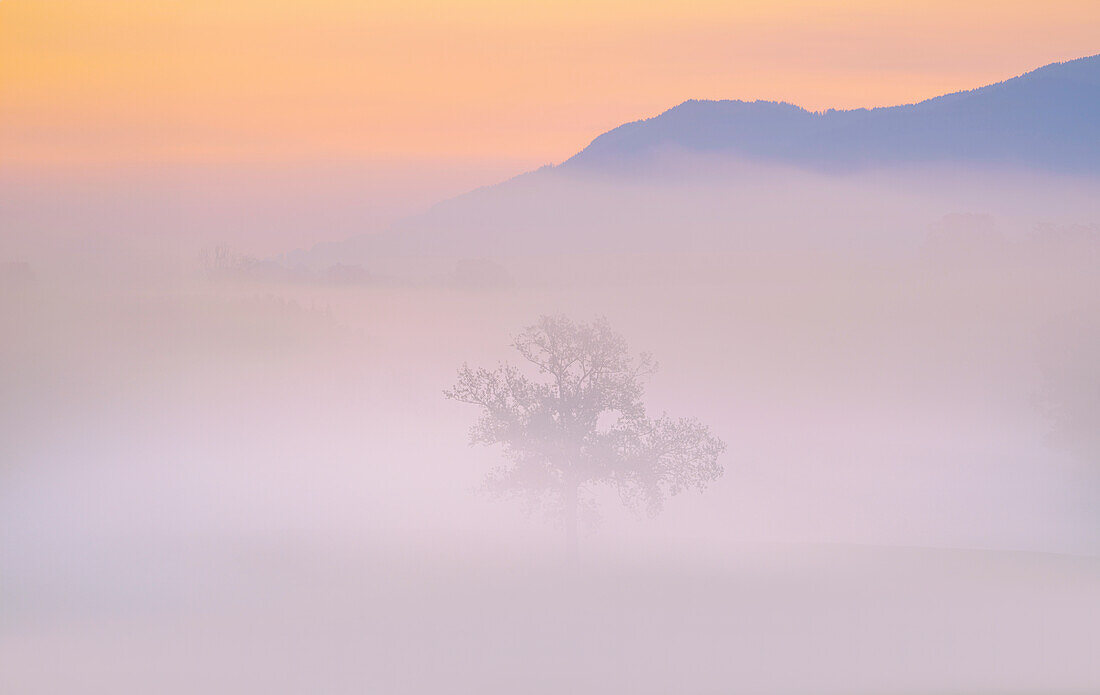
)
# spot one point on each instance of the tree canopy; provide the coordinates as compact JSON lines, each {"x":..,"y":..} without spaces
{"x":579,"y":422}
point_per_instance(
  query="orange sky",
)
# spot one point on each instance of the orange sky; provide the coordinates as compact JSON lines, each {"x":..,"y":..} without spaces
{"x":118,"y":81}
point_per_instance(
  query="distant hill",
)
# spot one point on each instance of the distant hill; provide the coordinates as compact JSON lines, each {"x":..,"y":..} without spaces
{"x":722,"y":176}
{"x":1048,"y":118}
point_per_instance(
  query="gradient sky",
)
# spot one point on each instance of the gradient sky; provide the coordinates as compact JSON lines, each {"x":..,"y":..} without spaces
{"x":117,"y":81}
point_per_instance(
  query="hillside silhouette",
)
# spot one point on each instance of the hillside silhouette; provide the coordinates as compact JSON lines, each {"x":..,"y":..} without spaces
{"x":722,"y":176}
{"x":1048,"y":118}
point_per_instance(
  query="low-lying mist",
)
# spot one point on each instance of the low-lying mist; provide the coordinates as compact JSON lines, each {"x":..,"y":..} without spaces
{"x":218,"y":481}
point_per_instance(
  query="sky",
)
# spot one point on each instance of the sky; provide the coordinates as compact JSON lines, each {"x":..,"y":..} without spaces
{"x":222,"y":476}
{"x":497,"y":83}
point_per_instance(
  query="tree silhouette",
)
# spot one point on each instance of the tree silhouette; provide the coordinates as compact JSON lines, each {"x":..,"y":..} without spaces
{"x":581,"y":423}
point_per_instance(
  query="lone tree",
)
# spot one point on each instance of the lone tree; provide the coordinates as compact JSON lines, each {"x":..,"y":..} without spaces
{"x":581,"y":424}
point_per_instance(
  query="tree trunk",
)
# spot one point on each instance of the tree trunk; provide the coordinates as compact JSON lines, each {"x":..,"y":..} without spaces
{"x":571,"y":521}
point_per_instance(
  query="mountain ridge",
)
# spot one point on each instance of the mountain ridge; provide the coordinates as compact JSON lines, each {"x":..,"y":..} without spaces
{"x":1047,"y":118}
{"x":747,"y":163}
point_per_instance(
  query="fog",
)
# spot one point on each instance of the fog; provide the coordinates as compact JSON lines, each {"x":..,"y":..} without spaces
{"x":220,"y":480}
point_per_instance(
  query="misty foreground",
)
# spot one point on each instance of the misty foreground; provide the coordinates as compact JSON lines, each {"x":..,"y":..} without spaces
{"x":259,"y":487}
{"x":294,"y":615}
